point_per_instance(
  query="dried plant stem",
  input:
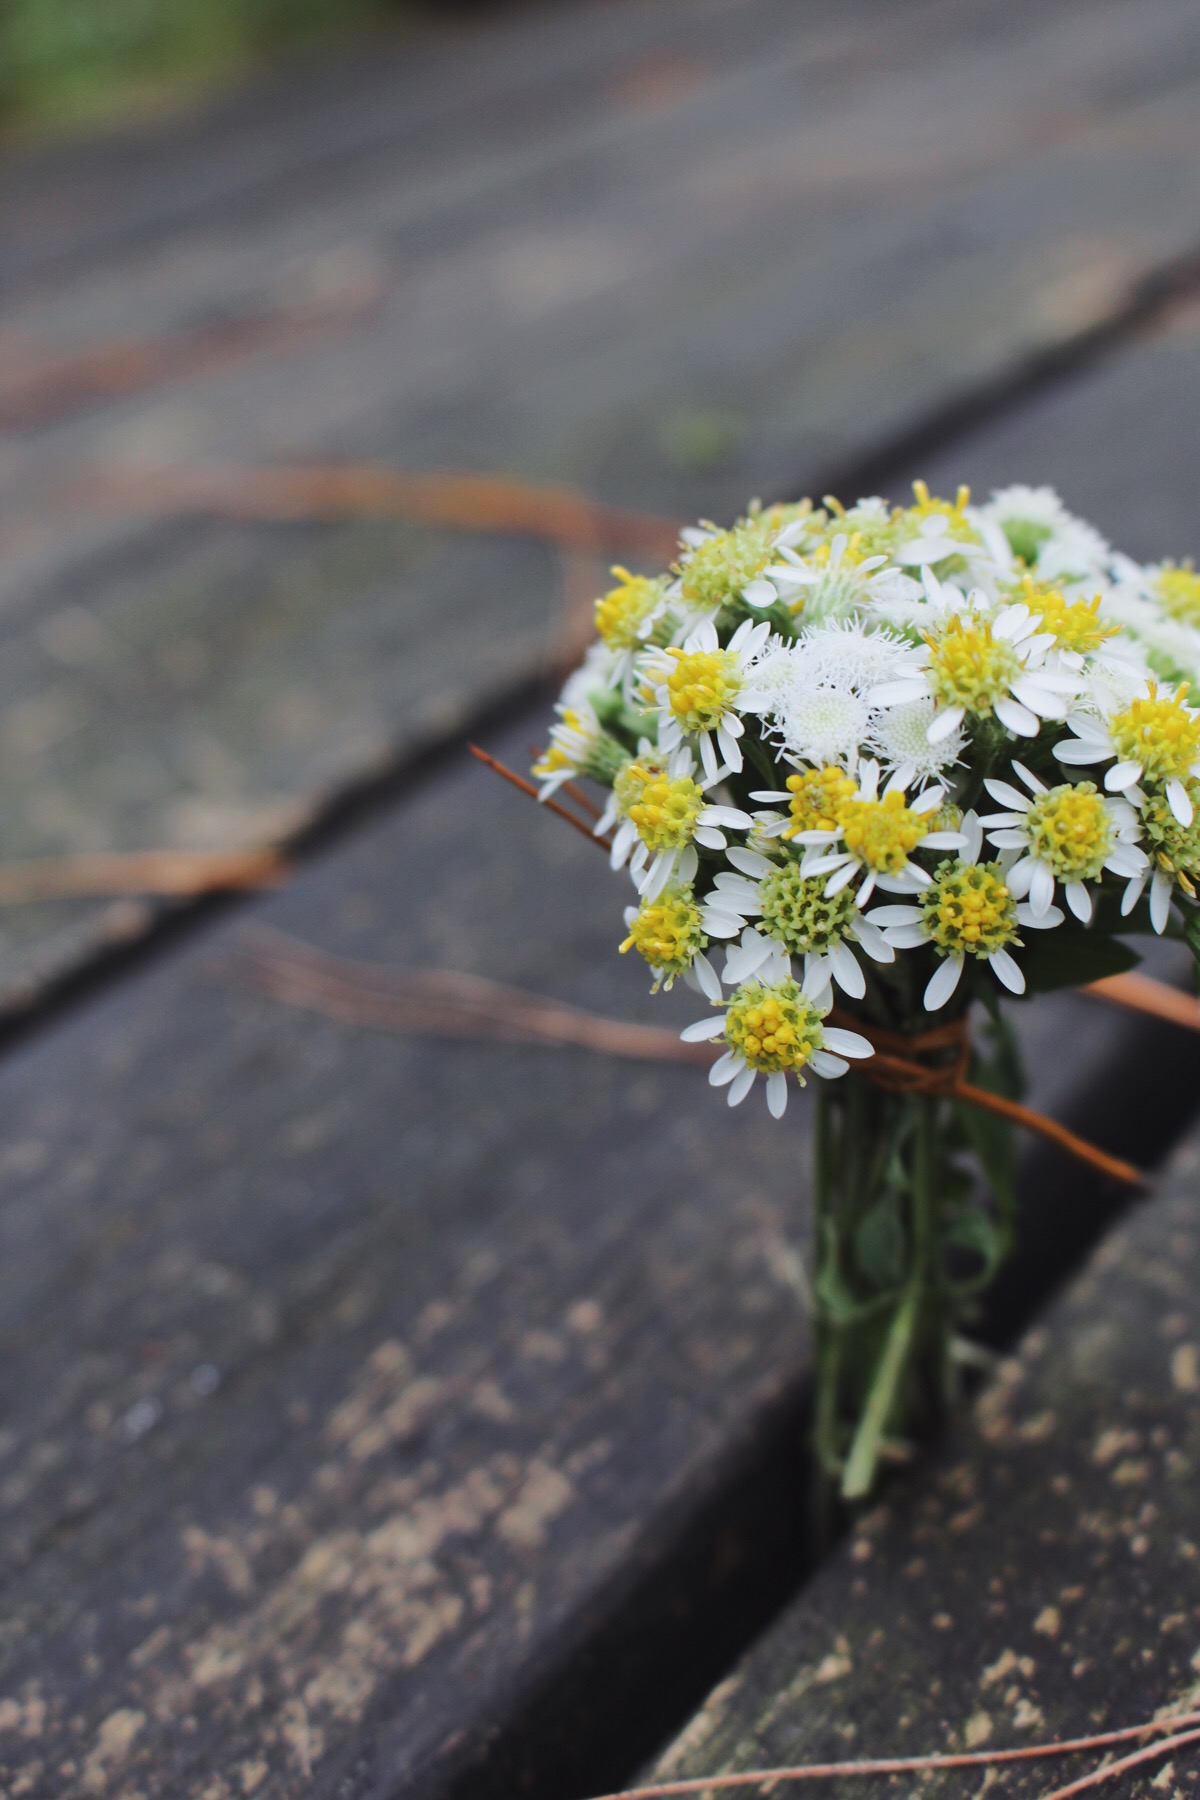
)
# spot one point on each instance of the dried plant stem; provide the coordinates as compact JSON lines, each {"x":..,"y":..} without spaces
{"x":920,"y":1765}
{"x":173,"y":872}
{"x":488,"y":503}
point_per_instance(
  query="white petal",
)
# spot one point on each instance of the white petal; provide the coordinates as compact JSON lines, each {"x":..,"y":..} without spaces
{"x":712,"y":840}
{"x":1133,"y":894}
{"x":740,"y":1086}
{"x":1029,"y":778}
{"x":898,"y":693}
{"x":972,"y":832}
{"x":725,"y":1069}
{"x":1074,"y":751}
{"x":1039,"y":921}
{"x":750,"y":862}
{"x":847,"y":1043}
{"x":1160,"y":901}
{"x":942,"y":840}
{"x":1007,"y":795}
{"x":759,"y":593}
{"x":1005,"y":840}
{"x":1177,"y":800}
{"x":1006,"y":971}
{"x":894,"y":915}
{"x":943,"y":982}
{"x":830,"y":1067}
{"x":707,"y":979}
{"x":1041,"y":889}
{"x":1122,"y":775}
{"x":777,"y":1094}
{"x":847,"y":972}
{"x":945,"y":723}
{"x":704,"y":1028}
{"x":907,"y":937}
{"x":1018,"y":718}
{"x":839,"y":879}
{"x":1079,"y":900}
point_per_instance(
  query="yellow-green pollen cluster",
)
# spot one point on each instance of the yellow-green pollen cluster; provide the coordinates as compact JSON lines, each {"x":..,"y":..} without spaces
{"x":1070,"y":829}
{"x":969,"y":666}
{"x":1178,"y":589}
{"x":775,"y":1029}
{"x":795,"y":910}
{"x":703,"y":686}
{"x":881,"y":834}
{"x":969,"y":909}
{"x":953,"y":513}
{"x":1159,"y":733}
{"x":1073,"y":624}
{"x":1176,"y":846}
{"x":667,"y":932}
{"x":622,"y":613}
{"x":719,"y":568}
{"x":663,"y":810}
{"x":817,"y":798}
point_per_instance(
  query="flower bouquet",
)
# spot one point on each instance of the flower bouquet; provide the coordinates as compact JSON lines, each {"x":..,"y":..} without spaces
{"x":871,"y":771}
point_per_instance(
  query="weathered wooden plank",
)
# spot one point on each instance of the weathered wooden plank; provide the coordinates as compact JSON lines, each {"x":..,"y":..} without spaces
{"x":1040,"y":1581}
{"x":834,"y":229}
{"x":382,"y":1415}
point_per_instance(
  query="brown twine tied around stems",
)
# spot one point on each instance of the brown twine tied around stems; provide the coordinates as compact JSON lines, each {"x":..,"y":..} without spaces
{"x":898,"y":1067}
{"x":933,"y":1062}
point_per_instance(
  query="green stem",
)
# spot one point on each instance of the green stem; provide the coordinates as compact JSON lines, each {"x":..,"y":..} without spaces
{"x":859,"y":1476}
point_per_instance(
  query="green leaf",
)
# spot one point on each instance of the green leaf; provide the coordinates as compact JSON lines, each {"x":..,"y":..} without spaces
{"x":1068,"y":958}
{"x":984,"y":1236}
{"x":879,"y":1243}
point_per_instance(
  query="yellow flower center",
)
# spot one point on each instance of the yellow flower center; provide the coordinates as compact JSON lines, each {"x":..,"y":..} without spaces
{"x":1071,"y":830}
{"x":775,"y":1029}
{"x":1176,"y":846}
{"x":969,"y":910}
{"x":667,"y":932}
{"x":665,"y":814}
{"x":929,"y":506}
{"x":969,"y":666}
{"x":881,"y":833}
{"x":1159,"y":733}
{"x":1073,"y":624}
{"x":621,"y":613}
{"x":818,"y":796}
{"x":703,"y":686}
{"x":719,"y":568}
{"x":1178,"y":588}
{"x":796,"y":910}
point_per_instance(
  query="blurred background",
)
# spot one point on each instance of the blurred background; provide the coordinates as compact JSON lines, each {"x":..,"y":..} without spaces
{"x":268,"y":266}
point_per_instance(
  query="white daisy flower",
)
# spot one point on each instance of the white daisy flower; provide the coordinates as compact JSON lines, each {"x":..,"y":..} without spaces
{"x":776,"y":1030}
{"x":1038,"y":528}
{"x":976,"y":664}
{"x":875,"y":836}
{"x":795,"y":918}
{"x":1065,"y":834}
{"x":661,"y":811}
{"x":968,"y":909}
{"x":697,"y":688}
{"x":1068,"y":834}
{"x":836,"y":581}
{"x":1153,"y":740}
{"x":899,"y":737}
{"x":668,"y":932}
{"x":579,"y":744}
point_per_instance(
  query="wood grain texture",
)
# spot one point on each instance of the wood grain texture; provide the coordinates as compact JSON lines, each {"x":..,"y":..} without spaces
{"x":672,"y":268}
{"x":386,"y":1416}
{"x":1042,"y":1580}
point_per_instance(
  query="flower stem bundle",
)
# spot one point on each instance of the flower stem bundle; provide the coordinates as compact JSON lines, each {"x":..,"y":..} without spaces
{"x":872,"y":771}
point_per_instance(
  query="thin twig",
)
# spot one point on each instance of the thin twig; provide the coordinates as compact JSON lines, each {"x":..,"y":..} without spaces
{"x":1143,"y":994}
{"x":488,"y":503}
{"x":1106,"y":1771}
{"x":172,"y":872}
{"x":920,"y":1765}
{"x":443,"y":1003}
{"x":527,"y":787}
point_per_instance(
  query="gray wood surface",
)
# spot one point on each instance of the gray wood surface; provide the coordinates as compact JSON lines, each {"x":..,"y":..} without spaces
{"x":1041,"y":1580}
{"x":671,"y":267}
